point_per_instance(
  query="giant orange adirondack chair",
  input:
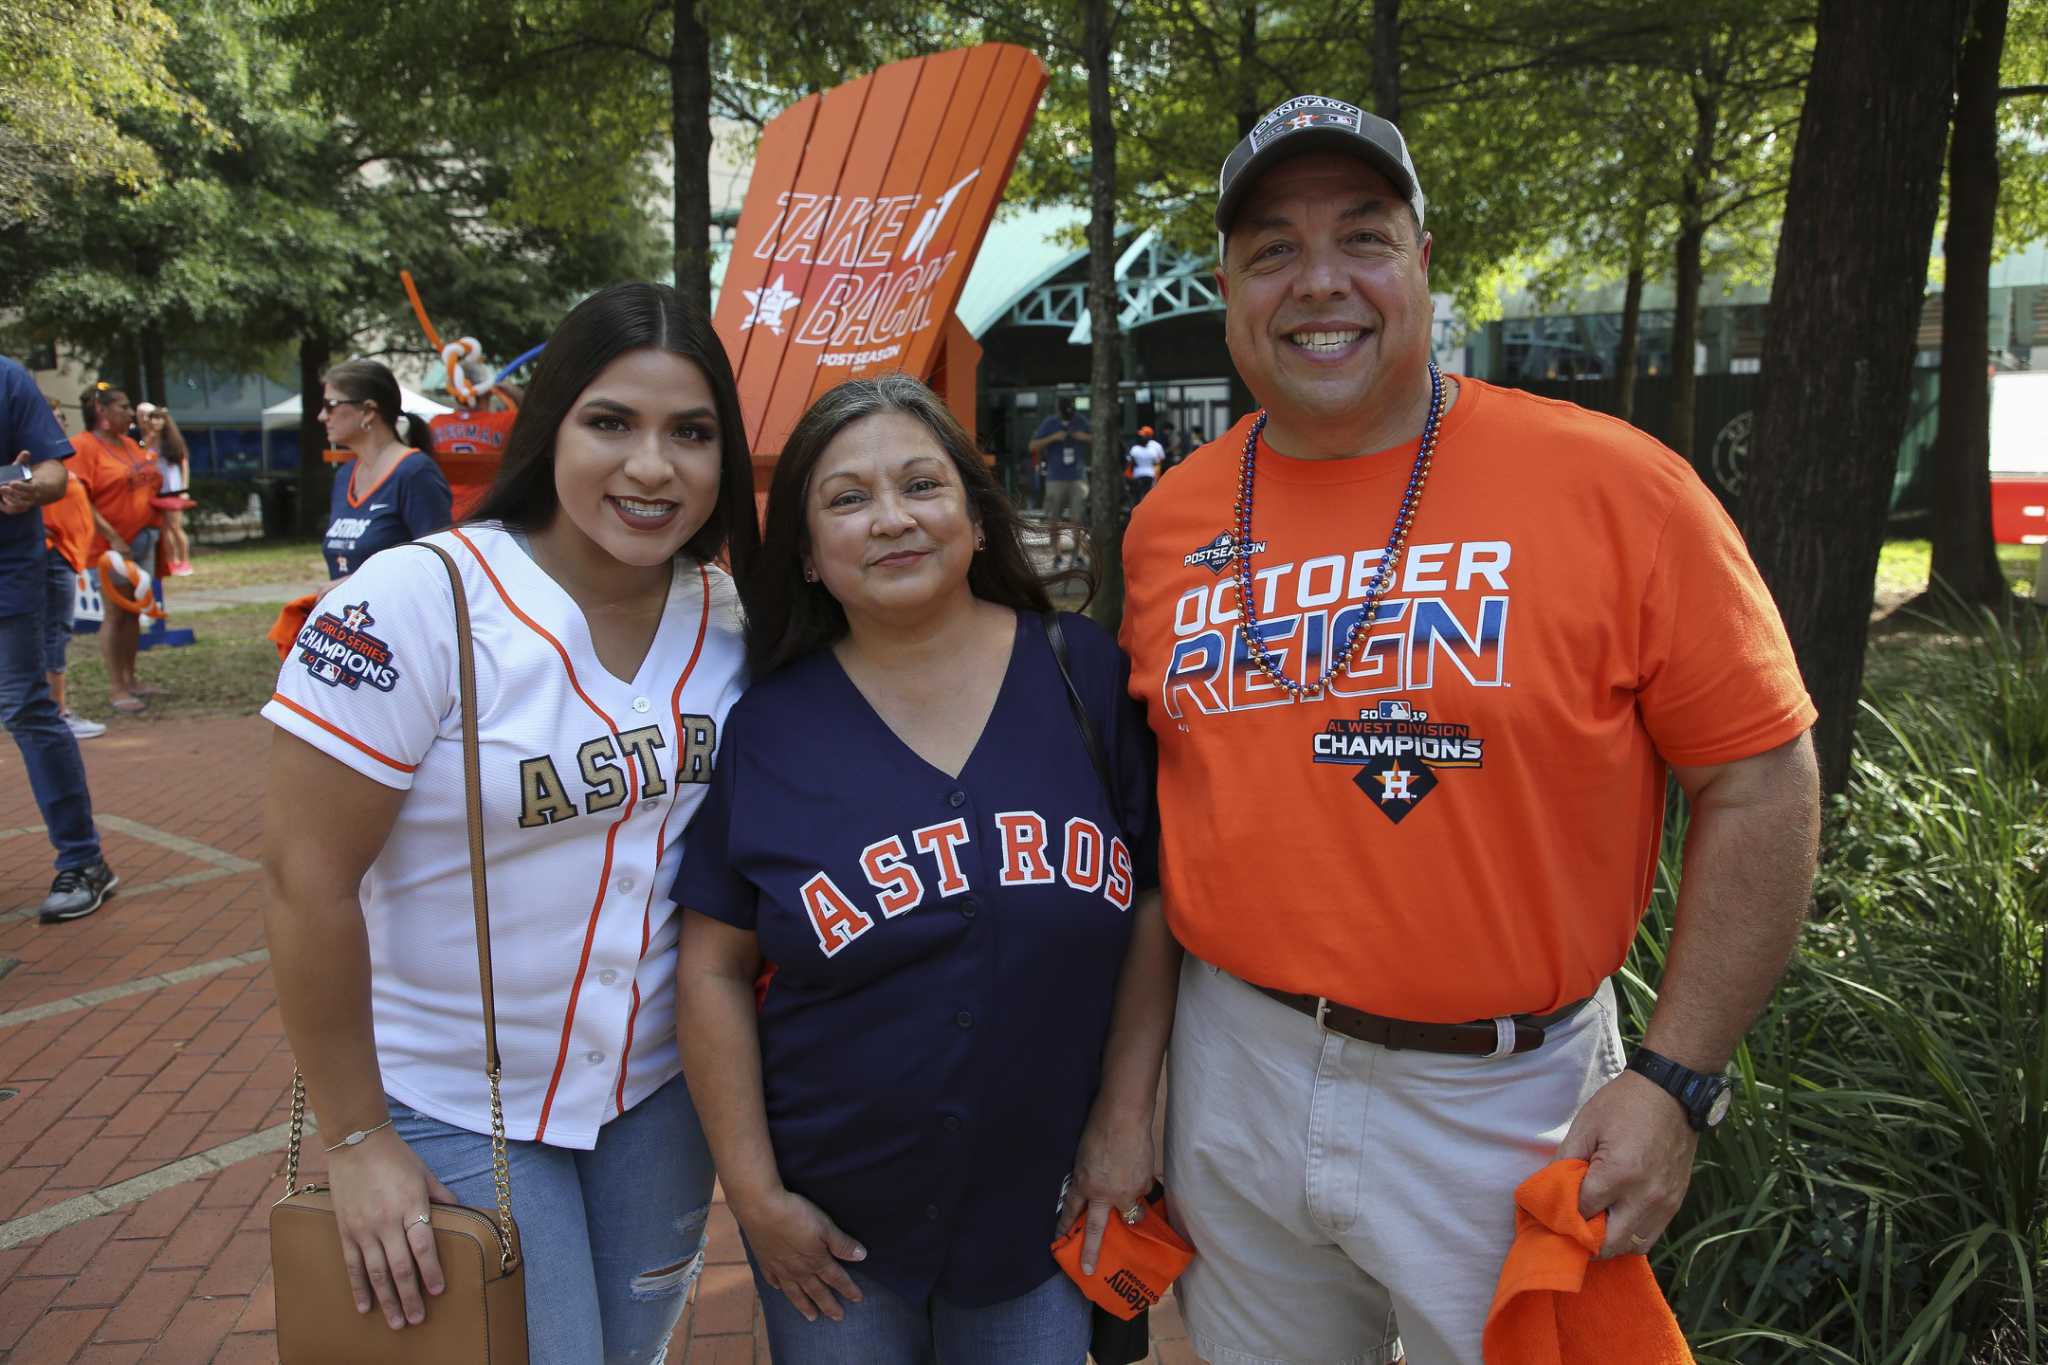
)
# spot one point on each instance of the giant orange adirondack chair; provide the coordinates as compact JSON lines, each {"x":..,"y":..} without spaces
{"x":865,"y":211}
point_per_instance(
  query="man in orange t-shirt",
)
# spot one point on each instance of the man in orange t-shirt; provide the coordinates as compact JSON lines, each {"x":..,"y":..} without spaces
{"x":121,"y":478}
{"x":1419,"y":653}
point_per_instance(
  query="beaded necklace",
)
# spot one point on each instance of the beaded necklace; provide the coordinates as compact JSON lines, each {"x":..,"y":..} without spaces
{"x":1254,"y":636}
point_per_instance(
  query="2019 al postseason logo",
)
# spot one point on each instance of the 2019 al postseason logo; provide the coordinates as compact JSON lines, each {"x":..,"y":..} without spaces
{"x":1398,"y":752}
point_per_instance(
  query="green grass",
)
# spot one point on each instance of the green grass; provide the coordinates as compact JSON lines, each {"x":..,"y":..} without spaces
{"x":251,"y":563}
{"x":1903,"y":565}
{"x":229,"y":669}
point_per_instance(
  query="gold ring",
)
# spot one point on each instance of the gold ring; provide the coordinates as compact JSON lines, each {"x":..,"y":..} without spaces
{"x":1134,"y":1214}
{"x":1638,"y":1240}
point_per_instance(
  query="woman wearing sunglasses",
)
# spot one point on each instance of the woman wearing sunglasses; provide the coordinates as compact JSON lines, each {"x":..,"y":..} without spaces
{"x":392,"y":491}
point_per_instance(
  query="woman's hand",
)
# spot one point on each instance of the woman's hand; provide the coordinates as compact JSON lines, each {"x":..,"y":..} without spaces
{"x":1113,"y":1170}
{"x":799,"y":1250}
{"x":381,"y":1190}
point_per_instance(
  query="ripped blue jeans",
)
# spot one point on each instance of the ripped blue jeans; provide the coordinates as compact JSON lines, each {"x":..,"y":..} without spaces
{"x":613,"y":1237}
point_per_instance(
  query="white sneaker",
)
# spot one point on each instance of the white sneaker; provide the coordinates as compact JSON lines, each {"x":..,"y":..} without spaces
{"x":81,"y":728}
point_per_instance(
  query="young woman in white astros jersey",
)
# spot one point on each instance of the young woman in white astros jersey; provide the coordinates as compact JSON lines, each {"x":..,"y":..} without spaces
{"x":607,"y":655}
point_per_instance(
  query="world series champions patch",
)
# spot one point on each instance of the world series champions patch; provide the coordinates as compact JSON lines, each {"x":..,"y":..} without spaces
{"x":1398,"y":751}
{"x":340,"y":651}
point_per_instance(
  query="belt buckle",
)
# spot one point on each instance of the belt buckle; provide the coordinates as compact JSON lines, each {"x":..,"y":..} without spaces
{"x":1322,"y":1008}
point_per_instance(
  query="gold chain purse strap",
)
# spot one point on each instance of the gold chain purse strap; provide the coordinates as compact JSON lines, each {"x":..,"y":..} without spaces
{"x":479,"y":894}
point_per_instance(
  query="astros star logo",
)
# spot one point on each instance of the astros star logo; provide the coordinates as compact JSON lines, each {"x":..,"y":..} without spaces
{"x":356,"y":617}
{"x":1394,"y":784}
{"x":769,"y":304}
{"x":1302,"y":121}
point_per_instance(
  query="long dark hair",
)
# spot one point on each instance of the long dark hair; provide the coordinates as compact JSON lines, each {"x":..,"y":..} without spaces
{"x":788,"y":617}
{"x":611,"y":322}
{"x":371,"y":384}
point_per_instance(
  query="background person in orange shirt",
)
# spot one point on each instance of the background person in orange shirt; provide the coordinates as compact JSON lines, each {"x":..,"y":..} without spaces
{"x":67,"y":539}
{"x":121,"y":478}
{"x":1411,"y":784}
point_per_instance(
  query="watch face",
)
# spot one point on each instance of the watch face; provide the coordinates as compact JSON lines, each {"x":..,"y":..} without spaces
{"x":1718,"y":1109}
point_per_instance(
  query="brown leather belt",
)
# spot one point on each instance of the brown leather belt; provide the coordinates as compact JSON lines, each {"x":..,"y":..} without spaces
{"x":1481,"y":1038}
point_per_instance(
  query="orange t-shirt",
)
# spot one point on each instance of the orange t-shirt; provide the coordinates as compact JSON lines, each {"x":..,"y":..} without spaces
{"x":67,"y":523}
{"x":1467,"y":824}
{"x":120,"y":477}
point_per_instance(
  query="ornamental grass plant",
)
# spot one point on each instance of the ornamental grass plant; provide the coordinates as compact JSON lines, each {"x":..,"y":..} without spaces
{"x":1879,"y":1195}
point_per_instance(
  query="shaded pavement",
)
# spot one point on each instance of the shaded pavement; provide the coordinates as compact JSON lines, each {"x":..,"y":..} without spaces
{"x":145,"y":1080}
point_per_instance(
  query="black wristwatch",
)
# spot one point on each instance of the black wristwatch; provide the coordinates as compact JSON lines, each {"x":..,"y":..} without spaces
{"x":1705,"y":1099}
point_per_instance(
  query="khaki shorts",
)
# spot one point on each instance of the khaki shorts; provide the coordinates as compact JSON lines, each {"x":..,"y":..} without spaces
{"x":1345,"y":1199}
{"x":1067,"y":500}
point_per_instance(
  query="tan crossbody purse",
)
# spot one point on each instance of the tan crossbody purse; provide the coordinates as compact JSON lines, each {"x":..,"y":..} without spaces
{"x":481,"y":1315}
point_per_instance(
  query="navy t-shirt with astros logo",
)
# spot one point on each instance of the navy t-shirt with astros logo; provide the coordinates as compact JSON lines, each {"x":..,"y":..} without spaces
{"x":411,"y":501}
{"x":945,"y":950}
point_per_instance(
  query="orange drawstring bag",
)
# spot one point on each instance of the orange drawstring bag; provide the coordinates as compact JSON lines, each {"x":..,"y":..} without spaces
{"x":1135,"y":1265}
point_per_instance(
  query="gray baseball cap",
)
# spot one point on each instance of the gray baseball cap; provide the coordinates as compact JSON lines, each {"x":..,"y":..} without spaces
{"x":1315,"y":123}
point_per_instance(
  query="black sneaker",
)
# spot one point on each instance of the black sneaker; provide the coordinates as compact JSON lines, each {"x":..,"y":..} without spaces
{"x":78,"y":891}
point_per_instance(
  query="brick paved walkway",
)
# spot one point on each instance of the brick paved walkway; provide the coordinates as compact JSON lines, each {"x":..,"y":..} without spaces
{"x":144,"y":1080}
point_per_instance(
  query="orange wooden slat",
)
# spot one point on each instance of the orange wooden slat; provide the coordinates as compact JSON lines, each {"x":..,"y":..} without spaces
{"x":812,"y":190}
{"x":775,"y":166}
{"x":839,"y":237}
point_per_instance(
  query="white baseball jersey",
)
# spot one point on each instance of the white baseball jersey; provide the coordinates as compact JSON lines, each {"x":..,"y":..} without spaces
{"x":588,"y":782}
{"x":1145,"y":458}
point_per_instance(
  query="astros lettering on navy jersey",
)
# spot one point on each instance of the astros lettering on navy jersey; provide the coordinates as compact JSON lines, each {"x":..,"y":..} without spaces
{"x":407,"y":503}
{"x":588,"y":781}
{"x":945,"y":951}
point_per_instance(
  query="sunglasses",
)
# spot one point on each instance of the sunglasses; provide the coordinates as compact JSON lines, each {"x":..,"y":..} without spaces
{"x":335,"y":404}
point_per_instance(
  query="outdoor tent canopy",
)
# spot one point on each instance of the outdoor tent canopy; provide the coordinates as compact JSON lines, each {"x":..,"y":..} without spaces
{"x":286,"y":413}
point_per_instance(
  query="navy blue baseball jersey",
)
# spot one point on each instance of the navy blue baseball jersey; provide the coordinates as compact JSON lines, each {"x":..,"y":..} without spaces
{"x":945,"y":951}
{"x":411,"y":501}
{"x":25,"y":424}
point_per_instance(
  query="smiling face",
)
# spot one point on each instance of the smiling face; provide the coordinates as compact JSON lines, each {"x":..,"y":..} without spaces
{"x":887,"y":519}
{"x":1326,"y":283}
{"x":636,"y":461}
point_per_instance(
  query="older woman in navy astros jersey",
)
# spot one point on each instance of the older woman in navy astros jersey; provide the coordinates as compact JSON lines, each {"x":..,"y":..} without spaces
{"x":607,"y":654}
{"x":970,"y":982}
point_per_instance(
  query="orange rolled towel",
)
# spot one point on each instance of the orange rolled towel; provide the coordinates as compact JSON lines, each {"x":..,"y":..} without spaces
{"x":284,"y":633}
{"x":1556,"y":1305}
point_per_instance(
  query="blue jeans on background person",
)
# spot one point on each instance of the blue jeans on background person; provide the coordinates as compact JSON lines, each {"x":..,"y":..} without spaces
{"x":59,"y":604}
{"x":1048,"y":1326}
{"x":56,"y":773}
{"x":612,"y":1238}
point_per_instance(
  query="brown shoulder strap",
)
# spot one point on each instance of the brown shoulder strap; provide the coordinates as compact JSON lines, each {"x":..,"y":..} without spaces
{"x":472,"y":781}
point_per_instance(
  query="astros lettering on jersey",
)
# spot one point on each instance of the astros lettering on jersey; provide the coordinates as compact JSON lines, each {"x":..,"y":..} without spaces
{"x":588,"y":781}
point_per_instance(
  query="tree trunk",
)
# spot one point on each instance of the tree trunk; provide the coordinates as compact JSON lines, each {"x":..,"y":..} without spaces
{"x":689,"y":93}
{"x":1105,"y":416}
{"x":131,"y":368}
{"x":1386,"y":59}
{"x":1249,"y":106}
{"x":154,"y":387}
{"x":1685,"y":329}
{"x":1964,"y":560}
{"x":1625,"y":349}
{"x":1845,"y":303}
{"x":1692,"y":235}
{"x":316,"y":476}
